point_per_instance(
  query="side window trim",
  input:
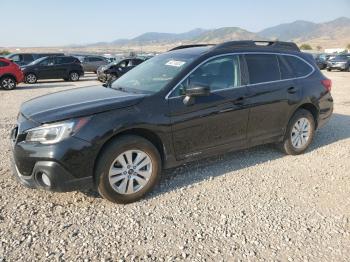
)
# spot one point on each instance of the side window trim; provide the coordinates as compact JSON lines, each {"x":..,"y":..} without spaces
{"x":168,"y":96}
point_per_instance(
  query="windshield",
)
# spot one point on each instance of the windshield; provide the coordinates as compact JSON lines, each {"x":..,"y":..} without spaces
{"x":37,"y":61}
{"x":154,"y":74}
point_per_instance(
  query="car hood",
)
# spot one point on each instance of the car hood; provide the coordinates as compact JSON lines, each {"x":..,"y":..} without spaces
{"x":76,"y":103}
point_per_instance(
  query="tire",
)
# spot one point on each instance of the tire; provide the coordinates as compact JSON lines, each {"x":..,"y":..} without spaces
{"x":113,"y":173}
{"x":8,"y":83}
{"x":31,"y":78}
{"x":329,"y":70}
{"x":300,"y":119}
{"x":74,"y":76}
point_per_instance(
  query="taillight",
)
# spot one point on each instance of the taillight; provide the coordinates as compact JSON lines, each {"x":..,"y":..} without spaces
{"x":327,"y":83}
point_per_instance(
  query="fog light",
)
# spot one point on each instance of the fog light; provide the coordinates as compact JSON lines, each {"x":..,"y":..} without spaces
{"x":46,"y":180}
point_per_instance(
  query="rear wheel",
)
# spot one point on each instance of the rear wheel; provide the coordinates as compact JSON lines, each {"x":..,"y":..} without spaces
{"x":300,"y":133}
{"x":74,"y":76}
{"x":128,"y":168}
{"x":31,"y":78}
{"x":8,"y":83}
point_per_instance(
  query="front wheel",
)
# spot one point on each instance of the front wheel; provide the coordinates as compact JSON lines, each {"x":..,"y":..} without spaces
{"x":31,"y":78}
{"x":127,"y":169}
{"x":300,"y":133}
{"x":8,"y":83}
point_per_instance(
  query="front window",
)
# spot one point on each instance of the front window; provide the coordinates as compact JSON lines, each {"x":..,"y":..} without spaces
{"x":154,"y":74}
{"x":217,"y":74}
{"x":38,"y":61}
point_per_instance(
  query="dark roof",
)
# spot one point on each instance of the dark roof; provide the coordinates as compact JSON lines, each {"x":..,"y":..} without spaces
{"x":241,"y":46}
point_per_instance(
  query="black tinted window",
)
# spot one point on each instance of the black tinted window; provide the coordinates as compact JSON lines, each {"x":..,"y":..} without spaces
{"x":27,"y":57}
{"x":262,"y":68}
{"x":286,"y":70}
{"x":299,"y":67}
{"x":137,"y":61}
{"x":96,"y":59}
{"x":64,"y":60}
{"x":3,"y":64}
{"x":46,"y":62}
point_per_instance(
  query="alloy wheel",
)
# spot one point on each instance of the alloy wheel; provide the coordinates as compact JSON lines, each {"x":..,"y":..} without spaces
{"x":130,"y":172}
{"x":8,"y":83}
{"x":301,"y":132}
{"x":74,"y":76}
{"x":31,"y":78}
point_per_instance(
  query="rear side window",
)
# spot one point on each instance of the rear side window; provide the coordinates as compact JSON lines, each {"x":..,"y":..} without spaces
{"x":299,"y":67}
{"x":27,"y":57}
{"x":64,"y":60}
{"x":96,"y":59}
{"x":3,"y":64}
{"x":286,"y":70}
{"x":137,"y":61}
{"x":262,"y":68}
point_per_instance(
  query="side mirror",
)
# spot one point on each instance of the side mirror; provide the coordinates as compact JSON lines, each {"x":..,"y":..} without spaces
{"x":194,"y":91}
{"x":197,"y":90}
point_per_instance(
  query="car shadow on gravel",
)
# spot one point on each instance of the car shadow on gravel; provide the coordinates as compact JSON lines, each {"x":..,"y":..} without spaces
{"x":336,"y":130}
{"x":194,"y":172}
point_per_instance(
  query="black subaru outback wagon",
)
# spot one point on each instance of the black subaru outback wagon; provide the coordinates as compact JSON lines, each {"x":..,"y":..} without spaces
{"x":189,"y":103}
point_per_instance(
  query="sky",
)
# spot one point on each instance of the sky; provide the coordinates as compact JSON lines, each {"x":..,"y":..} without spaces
{"x":64,"y":22}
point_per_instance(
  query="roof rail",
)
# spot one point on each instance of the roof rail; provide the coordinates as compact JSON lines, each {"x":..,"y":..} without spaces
{"x":189,"y":46}
{"x":289,"y":46}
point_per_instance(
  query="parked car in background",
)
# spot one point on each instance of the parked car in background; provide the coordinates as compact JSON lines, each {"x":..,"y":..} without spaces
{"x":321,"y":61}
{"x":91,"y":63}
{"x":53,"y":67}
{"x":27,"y":58}
{"x":10,"y":74}
{"x":339,"y":62}
{"x":177,"y":107}
{"x":115,"y":70}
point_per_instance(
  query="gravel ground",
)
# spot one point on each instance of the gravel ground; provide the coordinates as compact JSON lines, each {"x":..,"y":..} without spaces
{"x":255,"y":204}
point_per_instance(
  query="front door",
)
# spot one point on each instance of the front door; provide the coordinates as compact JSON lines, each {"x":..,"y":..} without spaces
{"x":45,"y":69}
{"x":213,"y":121}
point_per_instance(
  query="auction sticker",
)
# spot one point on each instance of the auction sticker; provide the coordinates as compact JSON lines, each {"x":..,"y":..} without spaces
{"x":175,"y":63}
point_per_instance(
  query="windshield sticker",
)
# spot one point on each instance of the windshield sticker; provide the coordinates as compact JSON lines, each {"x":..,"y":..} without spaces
{"x":175,"y":63}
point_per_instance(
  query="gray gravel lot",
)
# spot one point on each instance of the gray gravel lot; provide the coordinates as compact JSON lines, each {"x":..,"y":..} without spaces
{"x":255,"y":204}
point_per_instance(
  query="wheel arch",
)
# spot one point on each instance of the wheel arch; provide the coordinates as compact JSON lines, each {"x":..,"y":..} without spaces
{"x":147,"y":134}
{"x":313,"y":109}
{"x":9,"y":75}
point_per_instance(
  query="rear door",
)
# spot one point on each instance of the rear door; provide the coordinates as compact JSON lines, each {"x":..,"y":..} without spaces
{"x":272,"y":91}
{"x":61,"y":66}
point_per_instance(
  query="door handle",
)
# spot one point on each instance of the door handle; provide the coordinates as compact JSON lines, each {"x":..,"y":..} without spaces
{"x":292,"y":90}
{"x":239,"y":101}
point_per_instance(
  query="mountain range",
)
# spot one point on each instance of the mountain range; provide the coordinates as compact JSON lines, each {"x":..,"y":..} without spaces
{"x":334,"y":33}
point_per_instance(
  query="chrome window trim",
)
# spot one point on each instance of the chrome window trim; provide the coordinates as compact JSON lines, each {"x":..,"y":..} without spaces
{"x":167,"y":97}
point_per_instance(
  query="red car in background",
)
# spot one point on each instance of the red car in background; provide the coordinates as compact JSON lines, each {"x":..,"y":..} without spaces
{"x":10,"y":74}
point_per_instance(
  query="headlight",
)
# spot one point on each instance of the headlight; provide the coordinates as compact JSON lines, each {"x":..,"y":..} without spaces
{"x":54,"y":133}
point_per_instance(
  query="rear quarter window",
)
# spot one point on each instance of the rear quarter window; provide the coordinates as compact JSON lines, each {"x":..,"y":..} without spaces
{"x":262,"y":68}
{"x":3,"y":64}
{"x":285,"y":68}
{"x":300,"y":68}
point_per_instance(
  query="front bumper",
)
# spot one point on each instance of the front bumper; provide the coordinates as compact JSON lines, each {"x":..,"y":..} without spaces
{"x":68,"y":164}
{"x":60,"y":179}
